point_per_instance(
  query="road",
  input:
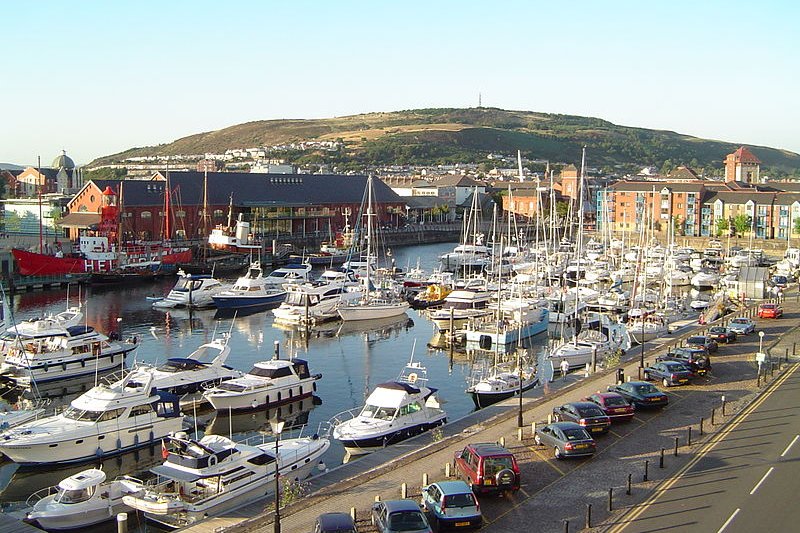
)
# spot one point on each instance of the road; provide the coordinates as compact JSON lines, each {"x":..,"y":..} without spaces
{"x":743,"y":480}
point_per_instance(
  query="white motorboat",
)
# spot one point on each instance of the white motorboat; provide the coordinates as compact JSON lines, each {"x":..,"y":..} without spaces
{"x":291,"y":274}
{"x":64,"y":353}
{"x":206,"y":477}
{"x":191,"y":290}
{"x":81,"y":500}
{"x":13,"y":417}
{"x":394,"y":411}
{"x":647,"y":327}
{"x":318,"y":302}
{"x":267,"y":384}
{"x":705,"y":279}
{"x":579,"y":351}
{"x":37,"y":329}
{"x":564,"y":308}
{"x":106,"y":420}
{"x":462,"y":305}
{"x":187,"y":377}
{"x":253,"y":290}
{"x":512,"y":320}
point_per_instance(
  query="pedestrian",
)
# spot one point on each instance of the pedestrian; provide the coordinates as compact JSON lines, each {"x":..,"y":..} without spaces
{"x":564,"y":368}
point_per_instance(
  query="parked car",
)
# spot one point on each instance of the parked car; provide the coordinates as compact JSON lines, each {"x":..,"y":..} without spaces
{"x":487,"y":468}
{"x":399,"y":515}
{"x":641,"y":394}
{"x":452,"y":504}
{"x":742,"y":326}
{"x":567,"y":439}
{"x":779,"y":280}
{"x":721,"y":334}
{"x":705,"y":341}
{"x":586,"y":414}
{"x":617,"y":408}
{"x":335,"y":523}
{"x":697,"y":359}
{"x":669,"y":372}
{"x":770,"y":311}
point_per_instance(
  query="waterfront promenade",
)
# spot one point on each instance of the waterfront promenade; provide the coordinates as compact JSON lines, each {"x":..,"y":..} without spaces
{"x":552,"y":491}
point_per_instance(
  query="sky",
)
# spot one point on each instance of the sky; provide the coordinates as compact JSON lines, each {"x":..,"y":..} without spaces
{"x":97,"y":77}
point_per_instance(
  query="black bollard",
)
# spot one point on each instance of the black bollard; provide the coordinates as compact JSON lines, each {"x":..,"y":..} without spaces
{"x":676,"y":447}
{"x":794,"y":349}
{"x":701,"y":426}
{"x":588,"y":515}
{"x":646,"y":468}
{"x":713,"y":412}
{"x":628,"y":486}
{"x":689,"y":437}
{"x":661,"y":459}
{"x":610,"y":499}
{"x":758,"y":378}
{"x":566,"y":526}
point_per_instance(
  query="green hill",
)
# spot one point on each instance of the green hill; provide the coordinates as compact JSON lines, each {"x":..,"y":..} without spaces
{"x":441,"y":136}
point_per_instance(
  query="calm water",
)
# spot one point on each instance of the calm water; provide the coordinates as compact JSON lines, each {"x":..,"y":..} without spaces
{"x":351,"y":358}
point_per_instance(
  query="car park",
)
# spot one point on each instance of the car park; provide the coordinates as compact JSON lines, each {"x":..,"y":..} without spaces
{"x":669,"y":372}
{"x":452,"y":504}
{"x":697,"y":359}
{"x":705,"y":341}
{"x":487,"y":468}
{"x":742,"y":326}
{"x":586,"y":414}
{"x":770,"y":311}
{"x":721,"y":334}
{"x":335,"y":523}
{"x":567,"y":439}
{"x":641,"y":394}
{"x":392,"y":516}
{"x":617,"y":408}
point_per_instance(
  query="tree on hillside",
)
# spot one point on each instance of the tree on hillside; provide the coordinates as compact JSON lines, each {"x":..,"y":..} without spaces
{"x":796,"y":225}
{"x":562,"y":208}
{"x":742,"y":223}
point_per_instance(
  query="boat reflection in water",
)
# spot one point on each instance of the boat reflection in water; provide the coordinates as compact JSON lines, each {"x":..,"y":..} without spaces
{"x":18,"y":482}
{"x":295,"y":415}
{"x":381,"y":328}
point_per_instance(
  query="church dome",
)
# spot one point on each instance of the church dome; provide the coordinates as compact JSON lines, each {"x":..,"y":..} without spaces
{"x":63,"y":161}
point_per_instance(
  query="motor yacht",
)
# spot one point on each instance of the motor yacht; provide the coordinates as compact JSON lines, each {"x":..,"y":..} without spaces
{"x":318,"y":302}
{"x":81,"y":500}
{"x":105,"y":420}
{"x":253,"y":290}
{"x":206,"y":477}
{"x":188,"y":377}
{"x":191,"y":290}
{"x":63,"y":353}
{"x":394,"y":411}
{"x":461,"y":306}
{"x":267,"y":384}
{"x":291,"y":274}
{"x":511,"y":320}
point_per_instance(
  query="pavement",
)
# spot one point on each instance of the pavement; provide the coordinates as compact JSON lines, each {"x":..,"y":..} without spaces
{"x":552,"y":491}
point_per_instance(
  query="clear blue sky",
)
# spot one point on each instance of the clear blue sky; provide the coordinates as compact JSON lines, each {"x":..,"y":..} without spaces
{"x":97,"y":77}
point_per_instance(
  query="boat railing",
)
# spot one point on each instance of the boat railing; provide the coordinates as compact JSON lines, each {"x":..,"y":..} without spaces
{"x":40,"y":495}
{"x":326,"y":427}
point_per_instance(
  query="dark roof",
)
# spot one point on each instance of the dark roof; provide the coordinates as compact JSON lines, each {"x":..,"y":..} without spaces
{"x":252,"y":190}
{"x":746,"y":156}
{"x":649,"y":186}
{"x":335,"y":521}
{"x":423,"y":202}
{"x":80,"y":220}
{"x":397,"y":385}
{"x":489,"y":448}
{"x":683,"y":173}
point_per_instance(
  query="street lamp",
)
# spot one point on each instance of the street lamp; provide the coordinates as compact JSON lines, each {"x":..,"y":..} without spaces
{"x":641,"y":356}
{"x":760,"y":342}
{"x":277,"y":427}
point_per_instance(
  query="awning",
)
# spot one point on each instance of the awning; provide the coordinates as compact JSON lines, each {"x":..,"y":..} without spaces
{"x":80,"y":220}
{"x":175,"y":473}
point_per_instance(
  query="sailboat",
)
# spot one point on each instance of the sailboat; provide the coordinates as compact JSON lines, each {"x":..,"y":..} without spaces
{"x":501,"y":380}
{"x":375,"y":304}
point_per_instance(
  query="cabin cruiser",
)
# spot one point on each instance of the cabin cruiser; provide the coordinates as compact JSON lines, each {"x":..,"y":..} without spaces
{"x":207,"y":477}
{"x":191,"y":290}
{"x":187,"y":377}
{"x":467,"y":257}
{"x":461,"y":305}
{"x":705,"y":279}
{"x":64,"y":353}
{"x":253,"y":290}
{"x":647,"y":327}
{"x":81,"y":500}
{"x":578,"y":352}
{"x":105,"y":420}
{"x":511,"y":321}
{"x":291,"y":274}
{"x":317,"y":302}
{"x":40,"y":328}
{"x":267,"y":384}
{"x":394,"y":411}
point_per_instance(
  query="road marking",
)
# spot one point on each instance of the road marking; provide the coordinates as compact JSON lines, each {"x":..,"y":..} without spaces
{"x":790,"y":445}
{"x":547,"y":460}
{"x":762,"y":480}
{"x":729,"y":520}
{"x":706,"y":448}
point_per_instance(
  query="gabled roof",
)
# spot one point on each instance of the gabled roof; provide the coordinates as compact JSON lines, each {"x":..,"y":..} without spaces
{"x":743,"y":155}
{"x":683,"y":173}
{"x":251,"y":190}
{"x":456,"y":181}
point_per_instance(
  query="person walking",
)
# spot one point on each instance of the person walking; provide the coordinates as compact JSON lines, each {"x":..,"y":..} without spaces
{"x":564,"y":368}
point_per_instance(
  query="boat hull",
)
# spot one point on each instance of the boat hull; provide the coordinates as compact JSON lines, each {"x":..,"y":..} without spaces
{"x":81,"y":517}
{"x":372,"y":312}
{"x":266,"y":397}
{"x":484,"y":399}
{"x":46,"y":372}
{"x":369,"y":444}
{"x":488,"y":338}
{"x":242,"y":302}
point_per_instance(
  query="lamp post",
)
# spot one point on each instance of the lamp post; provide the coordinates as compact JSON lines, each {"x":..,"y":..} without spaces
{"x":760,"y":342}
{"x":641,"y":356}
{"x":519,"y":369}
{"x":277,"y":427}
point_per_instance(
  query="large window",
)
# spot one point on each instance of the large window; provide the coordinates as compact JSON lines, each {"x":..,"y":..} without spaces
{"x":146,"y":214}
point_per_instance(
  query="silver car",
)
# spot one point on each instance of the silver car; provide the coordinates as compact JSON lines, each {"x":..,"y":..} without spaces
{"x":742,"y":326}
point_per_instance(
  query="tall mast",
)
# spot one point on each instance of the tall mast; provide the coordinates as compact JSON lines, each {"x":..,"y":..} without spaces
{"x":369,"y":235}
{"x":167,"y":232}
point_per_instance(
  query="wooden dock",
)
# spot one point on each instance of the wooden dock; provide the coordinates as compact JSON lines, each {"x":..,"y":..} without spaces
{"x":12,"y":524}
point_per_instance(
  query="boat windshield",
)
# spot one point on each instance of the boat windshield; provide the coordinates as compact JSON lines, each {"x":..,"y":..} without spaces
{"x":186,"y":285}
{"x":271,"y":373}
{"x":278,"y":274}
{"x":73,"y":496}
{"x":379,"y":413}
{"x":84,"y":416}
{"x":299,"y":298}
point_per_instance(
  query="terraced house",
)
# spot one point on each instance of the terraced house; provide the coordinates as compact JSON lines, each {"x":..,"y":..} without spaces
{"x":696,"y":206}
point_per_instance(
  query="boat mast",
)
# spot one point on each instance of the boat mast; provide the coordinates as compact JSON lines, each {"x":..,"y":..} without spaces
{"x":369,"y":236}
